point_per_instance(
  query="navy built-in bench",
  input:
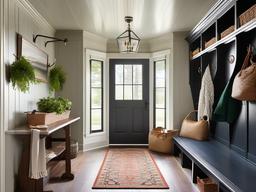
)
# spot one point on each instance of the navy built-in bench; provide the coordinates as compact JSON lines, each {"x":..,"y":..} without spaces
{"x":210,"y":158}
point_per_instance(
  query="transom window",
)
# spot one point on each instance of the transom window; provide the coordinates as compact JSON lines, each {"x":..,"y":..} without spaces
{"x":160,"y":93}
{"x":96,"y":96}
{"x":128,"y":82}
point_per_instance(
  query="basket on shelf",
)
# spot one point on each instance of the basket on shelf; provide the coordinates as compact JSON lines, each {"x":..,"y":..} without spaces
{"x":227,"y":31}
{"x":196,"y":51}
{"x":206,"y":185}
{"x":210,"y":42}
{"x":248,"y":15}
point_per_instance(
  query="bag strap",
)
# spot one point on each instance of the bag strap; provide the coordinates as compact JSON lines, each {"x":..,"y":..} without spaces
{"x":247,"y":59}
{"x":189,"y":115}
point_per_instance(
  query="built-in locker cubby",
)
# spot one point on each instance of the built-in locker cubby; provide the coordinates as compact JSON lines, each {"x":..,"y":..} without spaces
{"x":210,"y":59}
{"x":242,"y":6}
{"x":228,"y":44}
{"x":226,"y":23}
{"x":209,"y":36}
{"x":243,"y":41}
{"x":195,"y":47}
{"x":226,"y":59}
{"x":195,"y":79}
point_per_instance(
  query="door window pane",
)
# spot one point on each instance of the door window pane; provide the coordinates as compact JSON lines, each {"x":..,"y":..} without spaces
{"x":160,"y":118}
{"x":128,"y":82}
{"x":160,"y":73}
{"x":96,"y":97}
{"x":96,"y":73}
{"x":119,"y":74}
{"x":119,"y":89}
{"x":128,"y":92}
{"x":137,"y":92}
{"x":160,"y":98}
{"x":137,"y":74}
{"x":96,"y":119}
{"x":127,"y":74}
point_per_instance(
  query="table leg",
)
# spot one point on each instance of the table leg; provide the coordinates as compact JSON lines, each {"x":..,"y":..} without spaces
{"x":67,"y":175}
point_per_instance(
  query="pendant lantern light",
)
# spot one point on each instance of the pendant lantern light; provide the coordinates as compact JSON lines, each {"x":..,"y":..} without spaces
{"x":128,"y":41}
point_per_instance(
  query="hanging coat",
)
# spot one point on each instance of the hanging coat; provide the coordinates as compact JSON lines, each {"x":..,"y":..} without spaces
{"x":228,"y":108}
{"x":206,"y":96}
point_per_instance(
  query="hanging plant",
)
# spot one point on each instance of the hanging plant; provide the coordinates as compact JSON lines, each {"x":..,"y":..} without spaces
{"x":22,"y":74}
{"x":57,"y":78}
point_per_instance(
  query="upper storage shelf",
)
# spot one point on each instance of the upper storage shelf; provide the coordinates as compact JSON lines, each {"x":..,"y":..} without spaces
{"x":222,"y":24}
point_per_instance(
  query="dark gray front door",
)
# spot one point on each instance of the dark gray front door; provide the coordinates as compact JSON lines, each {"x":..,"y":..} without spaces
{"x":129,"y":101}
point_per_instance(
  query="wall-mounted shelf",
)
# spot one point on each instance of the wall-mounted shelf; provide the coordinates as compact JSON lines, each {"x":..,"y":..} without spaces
{"x":245,"y":28}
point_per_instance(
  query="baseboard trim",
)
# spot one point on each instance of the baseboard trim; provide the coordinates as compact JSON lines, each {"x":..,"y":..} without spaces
{"x":128,"y":145}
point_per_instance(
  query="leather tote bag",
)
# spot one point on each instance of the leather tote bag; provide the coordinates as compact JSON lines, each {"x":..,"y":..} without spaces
{"x":192,"y":129}
{"x":244,"y":86}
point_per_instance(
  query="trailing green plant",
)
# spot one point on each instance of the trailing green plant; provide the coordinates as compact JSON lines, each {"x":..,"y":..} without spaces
{"x":50,"y":104}
{"x":57,"y":78}
{"x":22,"y":74}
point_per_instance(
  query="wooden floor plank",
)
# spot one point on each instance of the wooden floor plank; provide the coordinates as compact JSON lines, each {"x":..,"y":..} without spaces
{"x":86,"y":166}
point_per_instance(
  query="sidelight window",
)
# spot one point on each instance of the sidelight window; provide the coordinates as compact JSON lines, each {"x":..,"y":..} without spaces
{"x":96,"y":96}
{"x":128,"y":82}
{"x":160,"y":93}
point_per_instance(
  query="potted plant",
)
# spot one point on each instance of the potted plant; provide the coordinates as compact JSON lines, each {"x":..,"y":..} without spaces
{"x":57,"y":78}
{"x":50,"y":110}
{"x":22,"y":74}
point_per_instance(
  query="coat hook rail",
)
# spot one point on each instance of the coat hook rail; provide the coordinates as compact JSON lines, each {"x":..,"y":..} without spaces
{"x":54,"y":39}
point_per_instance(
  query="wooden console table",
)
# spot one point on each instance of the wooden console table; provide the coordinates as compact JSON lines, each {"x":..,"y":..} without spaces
{"x":25,"y":184}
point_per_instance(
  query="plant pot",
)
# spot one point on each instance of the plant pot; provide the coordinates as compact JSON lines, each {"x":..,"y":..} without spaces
{"x":41,"y":118}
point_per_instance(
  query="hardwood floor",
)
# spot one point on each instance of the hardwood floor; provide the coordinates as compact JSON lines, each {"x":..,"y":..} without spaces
{"x":87,"y":164}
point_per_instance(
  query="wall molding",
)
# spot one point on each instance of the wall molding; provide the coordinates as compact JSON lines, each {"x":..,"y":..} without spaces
{"x":28,"y":7}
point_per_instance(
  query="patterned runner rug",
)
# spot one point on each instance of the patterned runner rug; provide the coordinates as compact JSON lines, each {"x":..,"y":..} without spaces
{"x":129,"y":168}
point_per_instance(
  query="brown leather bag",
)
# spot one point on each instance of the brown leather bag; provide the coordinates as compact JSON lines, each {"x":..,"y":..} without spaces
{"x":192,"y":129}
{"x":244,"y":86}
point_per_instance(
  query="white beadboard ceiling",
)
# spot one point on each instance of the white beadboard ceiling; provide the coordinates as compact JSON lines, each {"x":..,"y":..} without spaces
{"x":152,"y":18}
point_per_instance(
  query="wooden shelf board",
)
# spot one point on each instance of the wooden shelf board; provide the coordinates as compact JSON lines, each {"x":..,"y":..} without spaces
{"x":56,"y":150}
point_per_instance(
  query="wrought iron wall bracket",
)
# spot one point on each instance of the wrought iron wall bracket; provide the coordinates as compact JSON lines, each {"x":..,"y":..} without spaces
{"x":53,"y":39}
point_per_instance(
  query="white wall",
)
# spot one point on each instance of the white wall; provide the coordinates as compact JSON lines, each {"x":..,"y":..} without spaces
{"x":20,"y":17}
{"x":72,"y":58}
{"x":182,"y":99}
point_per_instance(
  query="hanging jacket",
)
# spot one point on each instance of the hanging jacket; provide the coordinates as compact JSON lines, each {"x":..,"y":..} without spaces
{"x":206,"y":96}
{"x":228,"y":108}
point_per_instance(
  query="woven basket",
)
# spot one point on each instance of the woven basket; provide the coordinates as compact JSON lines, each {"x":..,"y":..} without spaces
{"x":195,"y":52}
{"x":227,"y":31}
{"x":210,"y":42}
{"x":206,"y":185}
{"x":160,"y":140}
{"x":248,"y":15}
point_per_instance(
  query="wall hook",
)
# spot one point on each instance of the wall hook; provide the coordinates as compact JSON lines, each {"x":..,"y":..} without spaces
{"x":51,"y":65}
{"x":54,"y":39}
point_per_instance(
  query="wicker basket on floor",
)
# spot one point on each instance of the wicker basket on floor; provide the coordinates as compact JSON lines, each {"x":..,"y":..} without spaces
{"x":160,"y":140}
